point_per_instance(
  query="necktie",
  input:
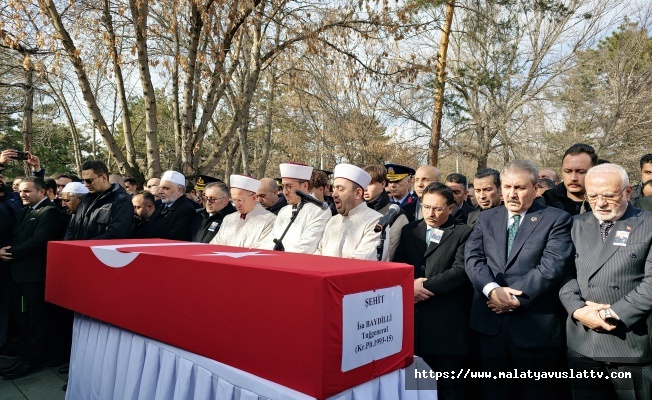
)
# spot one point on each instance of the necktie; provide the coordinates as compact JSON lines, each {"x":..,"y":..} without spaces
{"x":243,"y":216}
{"x":428,"y":233}
{"x":511,"y":233}
{"x":605,"y":227}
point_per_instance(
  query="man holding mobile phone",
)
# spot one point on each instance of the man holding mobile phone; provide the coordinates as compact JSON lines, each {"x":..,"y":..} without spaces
{"x":29,"y":158}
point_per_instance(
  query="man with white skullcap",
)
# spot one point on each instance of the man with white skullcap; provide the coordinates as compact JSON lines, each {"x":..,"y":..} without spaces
{"x":306,"y":231}
{"x":350,"y":234}
{"x":250,"y":226}
{"x":172,"y":219}
{"x":71,"y":195}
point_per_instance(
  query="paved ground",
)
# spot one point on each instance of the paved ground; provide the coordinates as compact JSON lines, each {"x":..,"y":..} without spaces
{"x":42,"y":385}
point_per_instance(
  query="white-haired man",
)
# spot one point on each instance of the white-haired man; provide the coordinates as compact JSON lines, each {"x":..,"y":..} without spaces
{"x":609,"y":297}
{"x":71,"y":195}
{"x":250,"y":226}
{"x":172,"y":219}
{"x":350,"y":233}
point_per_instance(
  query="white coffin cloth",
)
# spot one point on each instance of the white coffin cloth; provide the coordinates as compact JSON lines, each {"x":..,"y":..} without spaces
{"x":108,"y":362}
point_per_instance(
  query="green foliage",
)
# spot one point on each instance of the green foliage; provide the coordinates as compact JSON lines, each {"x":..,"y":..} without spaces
{"x":165,"y":128}
{"x":606,"y":96}
{"x":10,"y":138}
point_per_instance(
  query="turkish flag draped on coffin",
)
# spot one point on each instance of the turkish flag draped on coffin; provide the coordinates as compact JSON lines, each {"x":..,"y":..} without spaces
{"x":273,"y":314}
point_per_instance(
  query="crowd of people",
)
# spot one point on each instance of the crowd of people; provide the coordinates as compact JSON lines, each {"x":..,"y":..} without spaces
{"x":517,"y":269}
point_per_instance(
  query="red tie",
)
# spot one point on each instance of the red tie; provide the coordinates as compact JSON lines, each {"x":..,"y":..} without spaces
{"x":243,"y":216}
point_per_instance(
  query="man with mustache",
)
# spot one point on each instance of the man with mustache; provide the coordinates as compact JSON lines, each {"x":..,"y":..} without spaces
{"x":71,"y":195}
{"x":516,"y":258}
{"x":577,"y":161}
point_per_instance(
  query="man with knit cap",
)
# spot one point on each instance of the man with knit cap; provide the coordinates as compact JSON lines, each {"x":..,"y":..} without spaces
{"x":306,"y":231}
{"x":350,"y":234}
{"x":250,"y":226}
{"x":172,"y":219}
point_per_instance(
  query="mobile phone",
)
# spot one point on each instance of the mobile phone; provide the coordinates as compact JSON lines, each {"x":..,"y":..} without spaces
{"x":20,"y":155}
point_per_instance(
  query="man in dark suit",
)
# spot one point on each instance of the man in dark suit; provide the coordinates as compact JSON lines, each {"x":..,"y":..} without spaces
{"x":459,"y":186}
{"x":609,"y":295}
{"x":646,"y":176}
{"x":644,"y":202}
{"x":442,"y":291}
{"x":208,"y":220}
{"x":144,"y":204}
{"x":38,"y":223}
{"x":486,"y":185}
{"x":424,"y":176}
{"x":516,"y":258}
{"x":173,"y":218}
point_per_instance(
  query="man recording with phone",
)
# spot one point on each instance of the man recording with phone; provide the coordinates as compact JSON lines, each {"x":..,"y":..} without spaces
{"x":14,"y":155}
{"x":11,"y":197}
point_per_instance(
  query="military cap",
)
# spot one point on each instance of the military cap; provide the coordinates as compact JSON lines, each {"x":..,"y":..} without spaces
{"x":396,"y":172}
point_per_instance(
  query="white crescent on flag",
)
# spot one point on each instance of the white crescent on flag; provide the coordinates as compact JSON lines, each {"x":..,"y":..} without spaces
{"x":112,"y":256}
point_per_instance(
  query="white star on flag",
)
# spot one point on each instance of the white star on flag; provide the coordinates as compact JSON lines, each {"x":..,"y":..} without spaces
{"x":235,"y":255}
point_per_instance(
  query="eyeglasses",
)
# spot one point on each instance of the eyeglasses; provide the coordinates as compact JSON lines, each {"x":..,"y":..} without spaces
{"x":212,"y":199}
{"x":239,"y":201}
{"x":90,"y":180}
{"x":288,"y":187}
{"x":435,"y":209}
{"x":608,"y":197}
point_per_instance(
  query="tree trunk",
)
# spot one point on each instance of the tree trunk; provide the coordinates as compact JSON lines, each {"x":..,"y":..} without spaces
{"x":176,"y":108}
{"x":221,"y":77}
{"x":74,"y":134}
{"x":195,"y":29}
{"x":28,"y":109}
{"x":48,"y":8}
{"x":435,"y":137}
{"x":244,"y":149}
{"x":120,"y":88}
{"x":139,"y":13}
{"x":269,"y":110}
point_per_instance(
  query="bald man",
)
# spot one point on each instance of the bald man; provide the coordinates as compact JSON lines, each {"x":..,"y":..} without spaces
{"x":424,"y":176}
{"x":268,"y":196}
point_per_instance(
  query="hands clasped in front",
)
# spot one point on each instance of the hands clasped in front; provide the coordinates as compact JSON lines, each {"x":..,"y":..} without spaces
{"x":592,"y":315}
{"x":503,"y":299}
